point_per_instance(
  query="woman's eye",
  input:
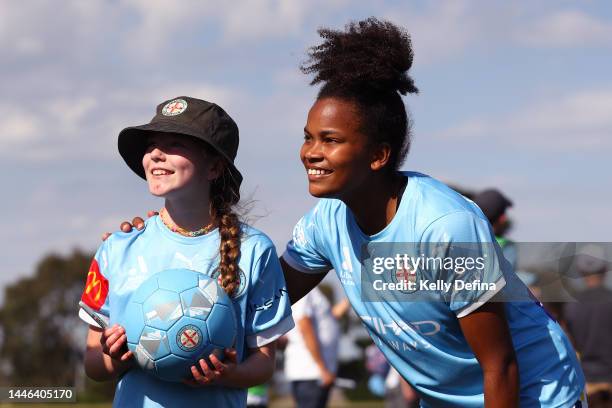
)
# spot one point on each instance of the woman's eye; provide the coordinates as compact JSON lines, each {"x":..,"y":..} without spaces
{"x":307,"y":137}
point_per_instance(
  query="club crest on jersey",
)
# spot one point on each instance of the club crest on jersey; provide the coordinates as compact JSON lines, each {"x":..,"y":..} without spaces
{"x":189,"y":338}
{"x":406,"y":276}
{"x":175,"y":107}
{"x":241,"y":282}
{"x":96,"y":287}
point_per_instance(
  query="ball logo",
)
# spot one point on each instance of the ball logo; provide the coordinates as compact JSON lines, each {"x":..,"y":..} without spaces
{"x":189,"y":338}
{"x":175,"y":107}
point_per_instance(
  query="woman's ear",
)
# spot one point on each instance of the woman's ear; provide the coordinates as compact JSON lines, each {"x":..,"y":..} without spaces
{"x":380,"y":156}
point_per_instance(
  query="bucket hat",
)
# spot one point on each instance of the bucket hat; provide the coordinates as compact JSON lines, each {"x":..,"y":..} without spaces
{"x":184,"y":115}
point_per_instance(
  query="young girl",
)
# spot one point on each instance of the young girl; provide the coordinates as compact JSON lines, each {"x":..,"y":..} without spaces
{"x":467,"y":353}
{"x":186,"y":154}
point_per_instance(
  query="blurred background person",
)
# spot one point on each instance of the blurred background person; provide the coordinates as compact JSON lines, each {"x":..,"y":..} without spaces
{"x":257,"y":396}
{"x":378,"y":367}
{"x":386,"y":382}
{"x":494,"y":205}
{"x":531,"y":280}
{"x":311,"y":356}
{"x":398,"y":392}
{"x":589,"y":323}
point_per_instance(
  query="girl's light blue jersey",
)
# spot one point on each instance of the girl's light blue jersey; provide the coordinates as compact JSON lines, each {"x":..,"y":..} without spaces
{"x":261,"y":303}
{"x":423,"y":339}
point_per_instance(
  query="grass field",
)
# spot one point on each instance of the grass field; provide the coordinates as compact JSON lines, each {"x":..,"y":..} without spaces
{"x":279,"y":403}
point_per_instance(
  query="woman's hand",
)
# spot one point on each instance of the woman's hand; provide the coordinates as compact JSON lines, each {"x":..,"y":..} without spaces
{"x":204,"y":375}
{"x":126,"y":226}
{"x":114,"y":343}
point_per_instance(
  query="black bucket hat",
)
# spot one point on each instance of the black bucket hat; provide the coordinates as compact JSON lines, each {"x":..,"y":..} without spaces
{"x":188,"y":116}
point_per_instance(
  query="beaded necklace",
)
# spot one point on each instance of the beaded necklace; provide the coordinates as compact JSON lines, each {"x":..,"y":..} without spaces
{"x":182,"y":231}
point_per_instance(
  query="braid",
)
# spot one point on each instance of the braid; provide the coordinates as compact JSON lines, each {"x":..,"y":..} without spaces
{"x":223,"y":196}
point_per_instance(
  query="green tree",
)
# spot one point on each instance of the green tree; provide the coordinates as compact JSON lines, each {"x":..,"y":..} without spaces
{"x":43,"y":339}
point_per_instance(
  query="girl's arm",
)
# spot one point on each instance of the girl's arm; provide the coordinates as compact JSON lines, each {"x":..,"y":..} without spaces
{"x":486,"y":331}
{"x":106,"y":356}
{"x":257,"y":368}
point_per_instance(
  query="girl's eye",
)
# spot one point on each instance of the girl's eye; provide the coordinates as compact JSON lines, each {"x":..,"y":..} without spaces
{"x":307,"y":137}
{"x":330,"y":140}
{"x":176,"y":145}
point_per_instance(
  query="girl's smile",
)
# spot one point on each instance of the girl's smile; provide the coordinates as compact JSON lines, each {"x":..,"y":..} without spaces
{"x":158,"y":172}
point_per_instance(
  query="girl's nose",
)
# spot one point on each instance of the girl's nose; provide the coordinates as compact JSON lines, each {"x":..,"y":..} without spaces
{"x":157,"y":154}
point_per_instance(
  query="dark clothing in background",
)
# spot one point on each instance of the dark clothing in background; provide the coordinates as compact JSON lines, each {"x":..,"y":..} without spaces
{"x":589,"y":321}
{"x":309,"y":394}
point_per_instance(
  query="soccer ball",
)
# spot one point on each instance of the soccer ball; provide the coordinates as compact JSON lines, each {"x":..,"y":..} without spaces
{"x":175,"y":318}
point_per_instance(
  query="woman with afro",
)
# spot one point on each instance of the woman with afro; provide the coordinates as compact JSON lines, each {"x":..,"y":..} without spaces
{"x":491,"y":345}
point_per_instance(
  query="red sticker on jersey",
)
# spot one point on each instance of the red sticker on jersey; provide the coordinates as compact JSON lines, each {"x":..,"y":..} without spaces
{"x":96,"y":288}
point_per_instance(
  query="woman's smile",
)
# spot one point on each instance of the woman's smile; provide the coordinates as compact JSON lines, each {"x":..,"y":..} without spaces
{"x":316,"y":173}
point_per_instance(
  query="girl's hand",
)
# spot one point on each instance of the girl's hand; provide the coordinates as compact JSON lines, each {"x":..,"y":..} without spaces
{"x":203,"y":375}
{"x":114,"y":343}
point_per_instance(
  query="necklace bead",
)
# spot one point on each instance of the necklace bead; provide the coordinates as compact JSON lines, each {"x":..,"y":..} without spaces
{"x":182,"y":231}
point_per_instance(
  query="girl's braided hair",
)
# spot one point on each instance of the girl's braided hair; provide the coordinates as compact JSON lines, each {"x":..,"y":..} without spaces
{"x":368,"y":64}
{"x":224,"y":194}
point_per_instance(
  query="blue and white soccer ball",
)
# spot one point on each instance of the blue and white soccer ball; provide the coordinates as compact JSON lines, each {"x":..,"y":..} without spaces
{"x":175,"y":318}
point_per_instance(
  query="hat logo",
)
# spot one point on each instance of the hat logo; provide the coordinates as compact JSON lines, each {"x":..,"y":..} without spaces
{"x":175,"y":107}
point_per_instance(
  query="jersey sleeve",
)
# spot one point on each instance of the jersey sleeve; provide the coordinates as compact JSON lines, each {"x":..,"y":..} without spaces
{"x":94,"y":308}
{"x":268,"y":312}
{"x":306,"y":250}
{"x":470,"y":262}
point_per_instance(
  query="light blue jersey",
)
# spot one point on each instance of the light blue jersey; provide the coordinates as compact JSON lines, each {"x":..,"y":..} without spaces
{"x":423,"y":340}
{"x":125,"y":260}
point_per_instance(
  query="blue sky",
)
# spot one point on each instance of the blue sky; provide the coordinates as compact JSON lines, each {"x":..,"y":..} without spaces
{"x":516,"y":95}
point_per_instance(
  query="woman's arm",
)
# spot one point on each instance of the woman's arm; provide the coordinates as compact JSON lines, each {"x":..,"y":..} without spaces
{"x":105,"y":356}
{"x":257,"y":368}
{"x":299,"y":283}
{"x":486,"y":331}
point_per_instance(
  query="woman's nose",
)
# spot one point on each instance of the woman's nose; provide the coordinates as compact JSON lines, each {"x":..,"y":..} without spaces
{"x":312,"y":152}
